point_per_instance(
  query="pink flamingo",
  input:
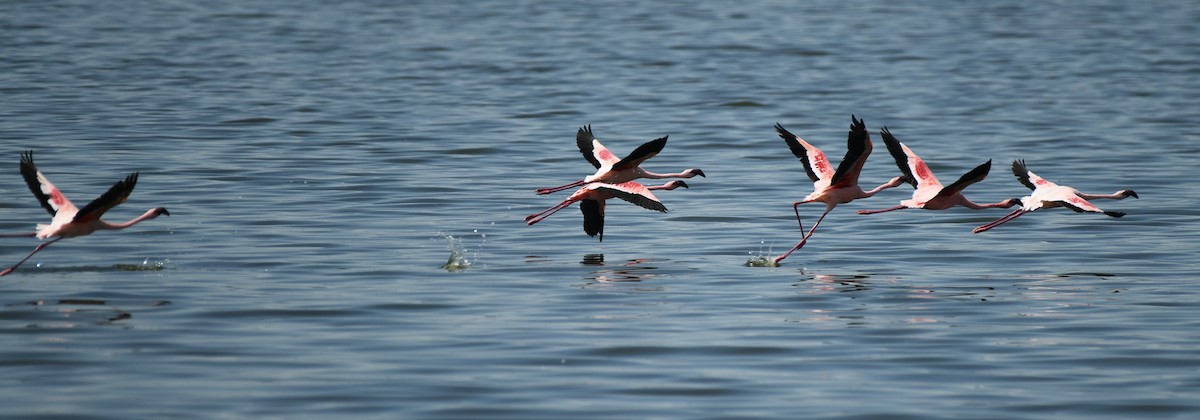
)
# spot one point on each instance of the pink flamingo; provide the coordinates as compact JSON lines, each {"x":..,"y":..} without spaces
{"x":591,"y":202}
{"x":610,"y":170}
{"x":930,"y":194}
{"x":830,"y":187}
{"x":1047,"y":194}
{"x":69,"y":221}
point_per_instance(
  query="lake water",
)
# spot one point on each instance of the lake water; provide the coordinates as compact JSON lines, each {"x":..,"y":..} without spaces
{"x":323,"y":161}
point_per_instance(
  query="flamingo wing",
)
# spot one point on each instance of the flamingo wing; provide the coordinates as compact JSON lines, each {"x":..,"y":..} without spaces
{"x":858,"y":147}
{"x":46,"y":193}
{"x":105,"y":202}
{"x":593,"y":217}
{"x":1079,"y":205}
{"x":975,"y":175}
{"x":898,"y":152}
{"x":816,"y":165}
{"x":641,"y":153}
{"x":1027,"y":177}
{"x":632,"y":192}
{"x":590,"y":147}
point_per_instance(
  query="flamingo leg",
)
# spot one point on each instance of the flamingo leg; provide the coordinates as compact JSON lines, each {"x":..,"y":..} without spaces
{"x":882,"y":210}
{"x":805,"y":239}
{"x":1008,"y":217}
{"x":35,"y":250}
{"x":796,"y":209}
{"x":537,"y":217}
{"x":542,"y":191}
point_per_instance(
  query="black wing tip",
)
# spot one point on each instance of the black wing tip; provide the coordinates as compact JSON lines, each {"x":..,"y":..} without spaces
{"x":1114,"y":213}
{"x":858,"y":129}
{"x":783,"y":132}
{"x":585,"y":133}
{"x":1019,"y":165}
{"x":131,"y":181}
{"x":987,"y":167}
{"x":857,"y":124}
{"x":27,"y":161}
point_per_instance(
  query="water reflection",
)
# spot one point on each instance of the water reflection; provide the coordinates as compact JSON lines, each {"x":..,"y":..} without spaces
{"x":844,"y":283}
{"x":72,"y":313}
{"x":634,"y":270}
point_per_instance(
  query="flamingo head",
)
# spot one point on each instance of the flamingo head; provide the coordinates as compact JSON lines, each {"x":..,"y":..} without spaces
{"x":1010,"y":202}
{"x":159,"y":211}
{"x":676,"y":184}
{"x":1127,"y":193}
{"x":693,"y":172}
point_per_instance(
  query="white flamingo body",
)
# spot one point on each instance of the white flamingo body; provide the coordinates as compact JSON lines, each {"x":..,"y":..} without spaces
{"x":1047,"y":195}
{"x":829,"y":186}
{"x":69,"y":221}
{"x":612,"y":170}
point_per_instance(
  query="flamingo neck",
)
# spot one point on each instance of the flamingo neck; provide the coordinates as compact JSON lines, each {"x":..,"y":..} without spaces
{"x":895,"y":182}
{"x":149,"y":214}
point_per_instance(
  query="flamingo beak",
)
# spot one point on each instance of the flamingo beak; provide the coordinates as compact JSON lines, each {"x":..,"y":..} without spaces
{"x":162,"y":211}
{"x":1130,"y":193}
{"x":699,"y":172}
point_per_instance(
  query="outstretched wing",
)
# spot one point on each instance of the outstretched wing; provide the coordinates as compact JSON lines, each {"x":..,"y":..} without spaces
{"x":858,"y":147}
{"x":593,"y":217}
{"x":588,"y":145}
{"x":897,"y":150}
{"x":632,"y":192}
{"x":1027,"y":177}
{"x":47,"y":194}
{"x":641,"y":153}
{"x":111,"y":198}
{"x":1079,"y":205}
{"x":814,"y":161}
{"x":975,"y":175}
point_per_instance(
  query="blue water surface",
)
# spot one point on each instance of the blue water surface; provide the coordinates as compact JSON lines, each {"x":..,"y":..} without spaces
{"x":347,"y":183}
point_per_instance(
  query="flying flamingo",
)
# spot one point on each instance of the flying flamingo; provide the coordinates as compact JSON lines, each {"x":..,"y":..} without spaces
{"x":69,"y":221}
{"x":830,"y":187}
{"x":930,"y":194}
{"x":610,"y":170}
{"x":591,"y":202}
{"x":1047,"y":194}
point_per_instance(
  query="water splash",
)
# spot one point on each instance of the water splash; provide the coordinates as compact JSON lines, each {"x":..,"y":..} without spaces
{"x":763,"y":258}
{"x":458,"y":259}
{"x":148,"y":264}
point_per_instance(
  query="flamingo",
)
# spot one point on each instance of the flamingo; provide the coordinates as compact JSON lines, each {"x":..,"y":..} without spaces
{"x":1047,"y":194}
{"x":591,"y":202}
{"x":611,"y":170}
{"x":69,"y":221}
{"x":829,"y":186}
{"x":930,"y":194}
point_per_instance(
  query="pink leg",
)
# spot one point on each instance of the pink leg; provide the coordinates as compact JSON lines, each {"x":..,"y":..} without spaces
{"x":537,"y":217}
{"x":805,"y":239}
{"x":987,"y":226}
{"x":882,"y":210}
{"x":796,"y":209}
{"x":35,"y":250}
{"x":542,"y":191}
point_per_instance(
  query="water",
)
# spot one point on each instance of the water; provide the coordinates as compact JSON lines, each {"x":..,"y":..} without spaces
{"x":323,"y":162}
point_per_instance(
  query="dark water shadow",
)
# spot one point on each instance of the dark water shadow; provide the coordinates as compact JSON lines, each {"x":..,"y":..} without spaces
{"x":69,"y":313}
